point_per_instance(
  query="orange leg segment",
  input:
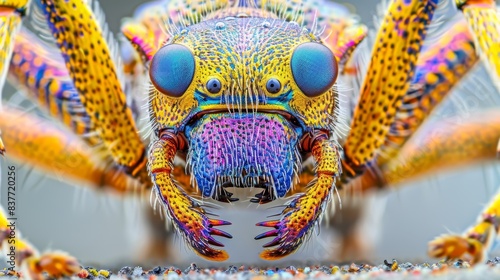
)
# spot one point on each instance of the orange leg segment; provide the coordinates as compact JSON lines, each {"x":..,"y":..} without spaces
{"x":475,"y":242}
{"x":21,"y":254}
{"x":60,"y":152}
{"x":443,"y":146}
{"x":446,"y":145}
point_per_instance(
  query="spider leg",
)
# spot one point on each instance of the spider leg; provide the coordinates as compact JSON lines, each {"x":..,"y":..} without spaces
{"x":94,"y":67}
{"x":474,"y":243}
{"x":11,"y":13}
{"x":303,"y":212}
{"x":40,"y":72}
{"x":342,"y":37}
{"x":145,"y":31}
{"x":438,"y":70}
{"x":483,"y":19}
{"x":60,"y":152}
{"x":446,"y":144}
{"x":393,"y":62}
{"x":186,"y":214}
{"x":56,"y":264}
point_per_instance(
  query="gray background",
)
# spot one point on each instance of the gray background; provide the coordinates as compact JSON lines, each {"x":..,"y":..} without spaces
{"x":109,"y":231}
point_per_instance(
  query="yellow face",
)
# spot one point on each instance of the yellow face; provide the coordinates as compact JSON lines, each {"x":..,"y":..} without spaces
{"x":244,"y":65}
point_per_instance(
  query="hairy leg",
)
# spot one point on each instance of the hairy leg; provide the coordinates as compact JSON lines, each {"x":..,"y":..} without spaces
{"x":186,"y":214}
{"x":484,"y":22}
{"x":40,"y":72}
{"x":11,"y":12}
{"x":55,"y":264}
{"x":445,"y":145}
{"x":393,"y":62}
{"x":303,"y":212}
{"x":475,"y":242}
{"x":440,"y":68}
{"x":483,"y":18}
{"x":94,"y":69}
{"x":39,"y":142}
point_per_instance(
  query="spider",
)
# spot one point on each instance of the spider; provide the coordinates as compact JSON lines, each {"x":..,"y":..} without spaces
{"x":246,"y":94}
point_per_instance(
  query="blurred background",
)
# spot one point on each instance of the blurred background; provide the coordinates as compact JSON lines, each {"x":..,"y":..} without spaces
{"x":109,"y":231}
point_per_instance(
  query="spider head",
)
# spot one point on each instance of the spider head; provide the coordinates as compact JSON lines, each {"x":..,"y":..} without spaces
{"x":244,"y":92}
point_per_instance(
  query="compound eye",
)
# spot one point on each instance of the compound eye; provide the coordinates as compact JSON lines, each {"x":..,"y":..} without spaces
{"x":214,"y":85}
{"x":172,"y":70}
{"x":273,"y":85}
{"x":314,"y":68}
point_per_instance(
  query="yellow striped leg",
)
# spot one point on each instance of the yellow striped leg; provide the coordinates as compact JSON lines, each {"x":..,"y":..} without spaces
{"x":187,"y":215}
{"x":445,"y":147}
{"x":63,"y":154}
{"x":476,"y":242}
{"x":484,"y":22}
{"x":394,"y":57}
{"x":11,"y":12}
{"x":96,"y":77}
{"x":21,"y":254}
{"x":438,"y":70}
{"x":303,"y":212}
{"x":39,"y":70}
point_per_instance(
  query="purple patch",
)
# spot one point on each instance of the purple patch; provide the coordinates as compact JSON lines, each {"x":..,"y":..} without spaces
{"x":243,"y":150}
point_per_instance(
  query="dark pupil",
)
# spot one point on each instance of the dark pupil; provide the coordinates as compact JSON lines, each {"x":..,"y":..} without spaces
{"x":273,"y":86}
{"x":213,"y":86}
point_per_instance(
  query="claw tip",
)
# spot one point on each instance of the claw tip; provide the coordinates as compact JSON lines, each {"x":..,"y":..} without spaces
{"x":271,"y":255}
{"x":217,"y":255}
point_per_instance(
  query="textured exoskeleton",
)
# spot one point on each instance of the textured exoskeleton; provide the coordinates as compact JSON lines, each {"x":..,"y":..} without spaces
{"x":245,"y":92}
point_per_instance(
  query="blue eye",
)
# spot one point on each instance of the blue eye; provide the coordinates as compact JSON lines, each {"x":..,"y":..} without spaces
{"x":213,"y":85}
{"x":273,"y":85}
{"x":314,"y":68}
{"x":172,"y":70}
